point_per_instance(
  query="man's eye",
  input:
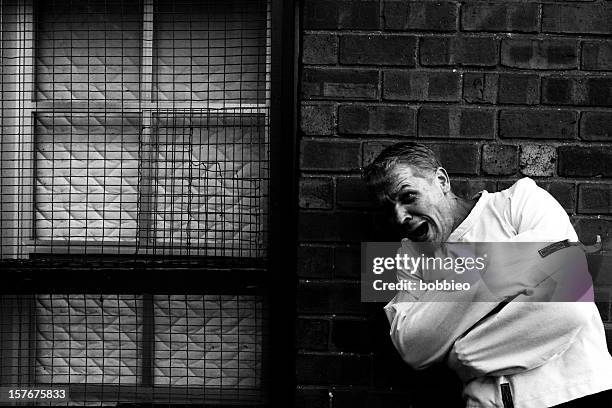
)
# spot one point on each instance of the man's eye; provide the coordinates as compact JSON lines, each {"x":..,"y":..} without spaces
{"x":408,"y":198}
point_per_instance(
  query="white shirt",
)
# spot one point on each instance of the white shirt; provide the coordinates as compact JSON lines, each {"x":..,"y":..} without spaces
{"x":547,"y":353}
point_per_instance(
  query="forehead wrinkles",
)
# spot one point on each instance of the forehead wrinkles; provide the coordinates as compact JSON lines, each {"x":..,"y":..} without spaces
{"x":403,"y":176}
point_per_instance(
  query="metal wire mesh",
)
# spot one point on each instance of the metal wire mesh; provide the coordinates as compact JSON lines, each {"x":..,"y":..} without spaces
{"x":109,"y":349}
{"x":141,"y":129}
{"x":136,"y":127}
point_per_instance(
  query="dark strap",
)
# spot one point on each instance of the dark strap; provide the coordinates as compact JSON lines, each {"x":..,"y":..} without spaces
{"x":506,"y":395}
{"x":495,"y":310}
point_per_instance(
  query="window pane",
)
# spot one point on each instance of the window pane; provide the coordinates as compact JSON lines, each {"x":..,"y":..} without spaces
{"x":211,"y":183}
{"x":211,"y":340}
{"x":88,"y":50}
{"x":211,"y":50}
{"x":88,"y":339}
{"x":86,"y":185}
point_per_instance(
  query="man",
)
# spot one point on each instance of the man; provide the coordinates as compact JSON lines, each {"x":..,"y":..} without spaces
{"x":524,"y":355}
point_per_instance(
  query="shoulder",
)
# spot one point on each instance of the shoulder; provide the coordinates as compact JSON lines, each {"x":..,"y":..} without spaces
{"x":520,"y":191}
{"x":524,"y":186}
{"x":526,"y":195}
{"x":532,"y":208}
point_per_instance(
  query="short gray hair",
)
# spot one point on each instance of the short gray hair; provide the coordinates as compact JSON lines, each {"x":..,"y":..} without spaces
{"x":417,"y":155}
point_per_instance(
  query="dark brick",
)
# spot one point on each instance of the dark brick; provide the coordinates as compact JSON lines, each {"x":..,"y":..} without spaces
{"x":589,"y":228}
{"x":462,"y":51}
{"x":578,"y":161}
{"x":596,"y":126}
{"x":468,"y":188}
{"x":333,"y":369}
{"x":600,"y":266}
{"x":421,"y":86}
{"x":597,"y":55}
{"x":318,"y":119}
{"x":347,"y":262}
{"x":577,"y":18}
{"x":317,"y":193}
{"x":335,"y":227}
{"x":530,"y":124}
{"x":558,"y":90}
{"x":403,"y":15}
{"x":500,"y":159}
{"x":436,"y":386}
{"x":320,"y":49}
{"x":324,"y":83}
{"x":436,"y":51}
{"x":312,"y":398}
{"x":563,"y":192}
{"x":378,"y":50}
{"x":372,"y":149}
{"x":376,"y":120}
{"x":341,"y":14}
{"x":595,"y":198}
{"x":505,"y":184}
{"x":538,"y":160}
{"x":436,"y":122}
{"x":479,"y":88}
{"x":539,"y":54}
{"x":590,"y":91}
{"x":458,"y":158}
{"x":599,"y":92}
{"x":603,"y":301}
{"x":519,"y":89}
{"x":456,"y":123}
{"x":352,"y":192}
{"x":477,"y":16}
{"x":329,"y":298}
{"x":330,"y":155}
{"x":314,"y":261}
{"x":312,"y":334}
{"x":352,"y":335}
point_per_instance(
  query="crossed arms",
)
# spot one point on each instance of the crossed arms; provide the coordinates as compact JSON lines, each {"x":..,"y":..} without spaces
{"x":521,"y":336}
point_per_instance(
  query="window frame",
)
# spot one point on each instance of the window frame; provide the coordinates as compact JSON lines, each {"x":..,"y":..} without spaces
{"x":274,"y":277}
{"x":144,"y":392}
{"x":146,"y":106}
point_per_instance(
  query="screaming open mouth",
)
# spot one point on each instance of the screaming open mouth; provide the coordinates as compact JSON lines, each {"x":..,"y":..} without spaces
{"x":419,"y":233}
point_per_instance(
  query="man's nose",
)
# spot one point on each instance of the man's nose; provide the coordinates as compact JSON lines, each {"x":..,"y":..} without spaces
{"x":401,"y":214}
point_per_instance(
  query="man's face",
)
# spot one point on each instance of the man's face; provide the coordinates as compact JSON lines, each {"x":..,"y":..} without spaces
{"x":419,"y":203}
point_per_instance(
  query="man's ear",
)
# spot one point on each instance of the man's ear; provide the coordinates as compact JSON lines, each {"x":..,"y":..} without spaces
{"x":443,"y":180}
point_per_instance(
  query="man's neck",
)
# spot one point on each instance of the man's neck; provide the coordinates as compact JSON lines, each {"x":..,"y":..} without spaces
{"x":462,"y":208}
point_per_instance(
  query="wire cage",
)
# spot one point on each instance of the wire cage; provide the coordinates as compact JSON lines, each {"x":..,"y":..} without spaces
{"x":107,"y":350}
{"x":136,"y":127}
{"x":136,"y":130}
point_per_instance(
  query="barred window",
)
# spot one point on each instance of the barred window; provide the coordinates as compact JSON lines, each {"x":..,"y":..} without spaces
{"x":136,"y":130}
{"x":136,"y":127}
{"x":109,"y":349}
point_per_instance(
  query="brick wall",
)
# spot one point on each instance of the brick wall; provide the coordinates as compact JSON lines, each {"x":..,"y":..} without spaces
{"x":501,"y":90}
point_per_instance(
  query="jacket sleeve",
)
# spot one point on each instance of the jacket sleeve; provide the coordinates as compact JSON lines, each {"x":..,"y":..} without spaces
{"x":520,"y":337}
{"x":524,"y":334}
{"x":423,"y":330}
